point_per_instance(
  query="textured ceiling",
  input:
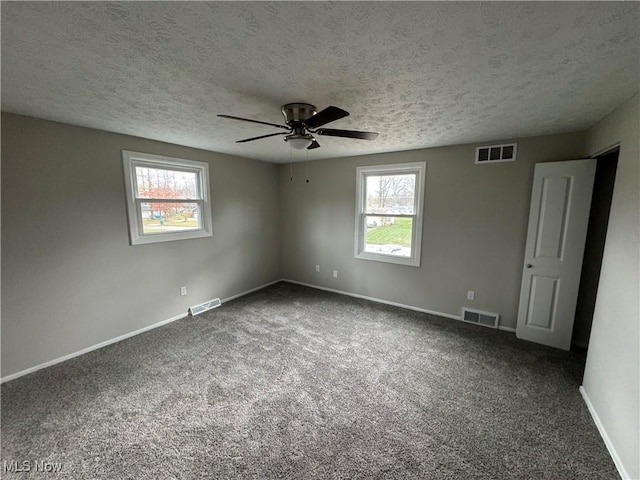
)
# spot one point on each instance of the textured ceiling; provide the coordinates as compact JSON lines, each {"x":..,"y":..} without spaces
{"x":420,"y":74}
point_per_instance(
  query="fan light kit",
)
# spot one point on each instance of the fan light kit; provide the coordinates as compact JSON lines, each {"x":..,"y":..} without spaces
{"x":302,"y":122}
{"x":299,"y":142}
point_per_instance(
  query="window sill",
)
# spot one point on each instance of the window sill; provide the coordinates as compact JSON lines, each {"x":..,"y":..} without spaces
{"x":168,"y":237}
{"x":381,"y":257}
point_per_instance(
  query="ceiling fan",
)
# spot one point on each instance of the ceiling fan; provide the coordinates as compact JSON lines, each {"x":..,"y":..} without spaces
{"x":302,"y":122}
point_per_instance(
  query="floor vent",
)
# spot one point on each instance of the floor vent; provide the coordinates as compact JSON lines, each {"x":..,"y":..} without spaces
{"x":496,"y":153}
{"x":486,"y":319}
{"x":203,"y":307}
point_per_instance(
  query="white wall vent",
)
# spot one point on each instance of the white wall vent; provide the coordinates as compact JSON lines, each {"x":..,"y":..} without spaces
{"x":496,"y":153}
{"x":486,"y":319}
{"x":203,"y":307}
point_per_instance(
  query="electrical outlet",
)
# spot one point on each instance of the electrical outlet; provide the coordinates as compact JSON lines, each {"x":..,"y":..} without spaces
{"x":317,"y":268}
{"x":183,"y":291}
{"x":471,"y":295}
{"x":335,"y":274}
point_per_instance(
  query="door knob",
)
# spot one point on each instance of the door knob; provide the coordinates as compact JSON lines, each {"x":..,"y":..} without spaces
{"x":529,"y":265}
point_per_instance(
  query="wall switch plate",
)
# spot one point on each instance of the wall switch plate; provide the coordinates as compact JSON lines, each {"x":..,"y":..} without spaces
{"x":183,"y":291}
{"x":471,"y":295}
{"x":317,"y":268}
{"x":335,"y":274}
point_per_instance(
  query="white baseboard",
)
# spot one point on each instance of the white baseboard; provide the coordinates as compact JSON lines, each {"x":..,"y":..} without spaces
{"x":89,"y":349}
{"x":386,"y":302}
{"x":238,"y":295}
{"x":603,"y":433}
{"x":178,"y":317}
{"x":373,"y":299}
{"x":116,"y":339}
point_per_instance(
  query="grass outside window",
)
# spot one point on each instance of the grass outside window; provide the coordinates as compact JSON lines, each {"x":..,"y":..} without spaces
{"x":398,"y":233}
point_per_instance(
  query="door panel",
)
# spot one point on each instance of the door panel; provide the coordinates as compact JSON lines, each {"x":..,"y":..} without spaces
{"x":554,"y":204}
{"x":558,"y":219}
{"x":541,"y":313}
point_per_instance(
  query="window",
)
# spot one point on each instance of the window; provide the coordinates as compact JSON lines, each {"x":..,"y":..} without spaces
{"x":167,"y":198}
{"x":389,"y":213}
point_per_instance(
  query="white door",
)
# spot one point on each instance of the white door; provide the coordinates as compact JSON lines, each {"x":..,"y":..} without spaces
{"x":558,"y":220}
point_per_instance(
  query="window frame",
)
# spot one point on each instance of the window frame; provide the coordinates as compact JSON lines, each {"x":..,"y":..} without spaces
{"x":130,"y":161}
{"x":418,"y":168}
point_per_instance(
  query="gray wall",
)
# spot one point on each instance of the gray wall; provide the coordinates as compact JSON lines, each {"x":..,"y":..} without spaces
{"x":474,"y":227}
{"x":70,"y":279}
{"x":612,"y":374}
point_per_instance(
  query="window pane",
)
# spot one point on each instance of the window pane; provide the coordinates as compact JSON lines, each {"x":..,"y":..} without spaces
{"x":390,"y":194}
{"x":161,"y":183}
{"x":163,"y":217}
{"x":389,"y":235}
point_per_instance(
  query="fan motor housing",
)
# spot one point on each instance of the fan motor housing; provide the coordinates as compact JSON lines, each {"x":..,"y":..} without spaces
{"x":297,"y":112}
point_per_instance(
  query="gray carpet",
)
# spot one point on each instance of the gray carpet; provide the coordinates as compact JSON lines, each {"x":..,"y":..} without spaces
{"x":292,"y":382}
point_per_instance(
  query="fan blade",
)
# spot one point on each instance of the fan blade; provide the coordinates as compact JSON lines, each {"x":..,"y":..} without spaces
{"x":331,"y":132}
{"x":328,"y":115}
{"x":261,"y":136}
{"x":253,"y":121}
{"x":313,"y":145}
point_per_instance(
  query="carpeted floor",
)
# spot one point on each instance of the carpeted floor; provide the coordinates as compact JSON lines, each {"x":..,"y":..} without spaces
{"x":292,"y":382}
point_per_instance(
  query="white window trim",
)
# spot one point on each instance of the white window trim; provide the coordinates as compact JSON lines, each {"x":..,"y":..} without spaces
{"x":419,"y":168}
{"x":132,"y":159}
